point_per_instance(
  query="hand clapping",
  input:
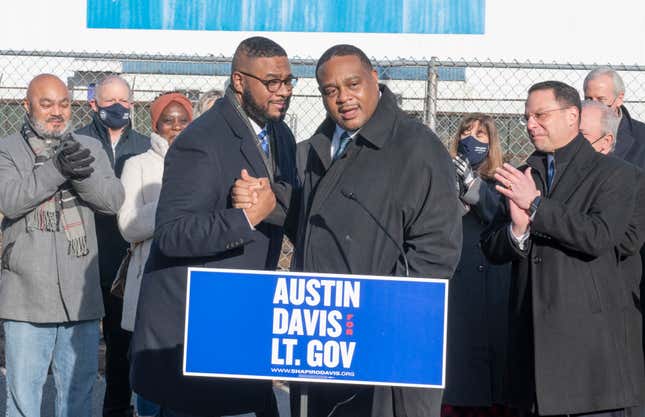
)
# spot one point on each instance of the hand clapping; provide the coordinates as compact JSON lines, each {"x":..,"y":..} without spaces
{"x":520,"y":190}
{"x":73,"y":161}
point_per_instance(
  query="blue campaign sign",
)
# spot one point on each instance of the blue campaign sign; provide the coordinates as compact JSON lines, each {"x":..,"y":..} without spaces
{"x":316,"y":327}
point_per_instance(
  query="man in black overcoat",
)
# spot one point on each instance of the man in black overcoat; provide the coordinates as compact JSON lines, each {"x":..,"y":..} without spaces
{"x":376,"y":184}
{"x":112,"y":109}
{"x":599,"y":124}
{"x":570,"y":309}
{"x":242,"y":135}
{"x":606,"y":86}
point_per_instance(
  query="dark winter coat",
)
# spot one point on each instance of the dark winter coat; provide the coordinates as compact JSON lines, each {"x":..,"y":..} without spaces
{"x":477,"y":311}
{"x":571,"y":314}
{"x":197,"y":226}
{"x":630,"y":146}
{"x":398,"y":176}
{"x":630,"y":140}
{"x":112,"y":246}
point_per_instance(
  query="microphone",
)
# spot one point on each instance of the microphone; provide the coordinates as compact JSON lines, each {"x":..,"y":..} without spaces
{"x":353,"y":197}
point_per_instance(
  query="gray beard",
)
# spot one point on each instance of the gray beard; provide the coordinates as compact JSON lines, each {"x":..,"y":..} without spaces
{"x":41,"y":130}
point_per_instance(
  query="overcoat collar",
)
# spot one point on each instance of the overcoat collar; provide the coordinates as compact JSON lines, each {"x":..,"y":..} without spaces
{"x":574,"y":162}
{"x":378,"y":129}
{"x":321,"y":141}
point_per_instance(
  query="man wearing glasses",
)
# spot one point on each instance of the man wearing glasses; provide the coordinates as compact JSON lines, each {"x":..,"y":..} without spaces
{"x":567,"y":210}
{"x":242,"y":136}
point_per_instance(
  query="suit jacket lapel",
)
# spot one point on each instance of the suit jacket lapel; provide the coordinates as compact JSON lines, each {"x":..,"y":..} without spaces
{"x":378,"y":129}
{"x":322,"y":148}
{"x":249,"y":149}
{"x":568,"y":178}
{"x":321,"y":142}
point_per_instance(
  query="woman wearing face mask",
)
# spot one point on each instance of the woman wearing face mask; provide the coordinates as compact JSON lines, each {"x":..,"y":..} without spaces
{"x":478,"y":292}
{"x":141,"y":178}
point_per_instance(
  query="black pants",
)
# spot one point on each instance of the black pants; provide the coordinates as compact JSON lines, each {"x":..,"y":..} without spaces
{"x":118,"y":393}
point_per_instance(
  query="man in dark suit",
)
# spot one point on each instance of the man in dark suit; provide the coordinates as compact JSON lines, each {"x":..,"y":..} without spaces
{"x":378,"y":198}
{"x":599,"y":124}
{"x":568,"y":351}
{"x":606,"y":86}
{"x":196,"y":225}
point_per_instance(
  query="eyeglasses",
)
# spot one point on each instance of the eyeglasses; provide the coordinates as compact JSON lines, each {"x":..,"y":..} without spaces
{"x":539,"y":116}
{"x":274,"y":84}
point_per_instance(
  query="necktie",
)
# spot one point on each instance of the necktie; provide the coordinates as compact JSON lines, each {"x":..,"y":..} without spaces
{"x":342,"y":144}
{"x":550,"y":171}
{"x":264,"y":141}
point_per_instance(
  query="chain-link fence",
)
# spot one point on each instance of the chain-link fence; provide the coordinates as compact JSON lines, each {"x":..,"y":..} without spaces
{"x":439,"y":92}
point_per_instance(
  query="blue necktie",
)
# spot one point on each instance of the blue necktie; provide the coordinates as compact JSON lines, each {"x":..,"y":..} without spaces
{"x":550,"y":171}
{"x":264,"y":141}
{"x":342,"y":144}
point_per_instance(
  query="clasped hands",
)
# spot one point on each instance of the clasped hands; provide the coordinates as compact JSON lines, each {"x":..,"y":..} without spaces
{"x":73,"y":161}
{"x":254,"y":196}
{"x":519,"y":189}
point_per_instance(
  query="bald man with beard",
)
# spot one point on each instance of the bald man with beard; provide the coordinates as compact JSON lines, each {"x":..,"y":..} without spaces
{"x":52,"y":182}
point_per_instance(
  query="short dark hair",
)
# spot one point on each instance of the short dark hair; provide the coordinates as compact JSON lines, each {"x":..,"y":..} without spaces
{"x":564,"y":93}
{"x":344,"y":50}
{"x":256,"y":47}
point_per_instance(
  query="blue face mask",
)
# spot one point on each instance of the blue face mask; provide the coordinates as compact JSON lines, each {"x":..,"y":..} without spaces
{"x":473,"y":149}
{"x":115,"y":116}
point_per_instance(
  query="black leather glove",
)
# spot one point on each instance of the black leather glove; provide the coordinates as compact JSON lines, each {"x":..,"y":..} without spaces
{"x":73,"y":161}
{"x":464,"y":171}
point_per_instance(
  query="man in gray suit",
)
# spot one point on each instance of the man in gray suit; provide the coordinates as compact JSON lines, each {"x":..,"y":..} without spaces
{"x":51,"y":184}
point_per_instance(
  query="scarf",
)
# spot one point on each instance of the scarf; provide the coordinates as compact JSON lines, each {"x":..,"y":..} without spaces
{"x":158,"y":144}
{"x":61,"y":209}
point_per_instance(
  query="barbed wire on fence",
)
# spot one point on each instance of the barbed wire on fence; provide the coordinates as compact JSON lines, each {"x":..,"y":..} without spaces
{"x":437,"y":91}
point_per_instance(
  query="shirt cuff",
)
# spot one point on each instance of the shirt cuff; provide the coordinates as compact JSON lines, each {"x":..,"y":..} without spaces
{"x":520,"y":241}
{"x":247,"y":220}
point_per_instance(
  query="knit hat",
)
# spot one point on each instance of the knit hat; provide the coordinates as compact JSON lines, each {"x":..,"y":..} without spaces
{"x":161,"y":102}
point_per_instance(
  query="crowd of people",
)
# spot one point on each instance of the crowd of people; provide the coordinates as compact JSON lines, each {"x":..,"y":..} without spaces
{"x":545,"y":260}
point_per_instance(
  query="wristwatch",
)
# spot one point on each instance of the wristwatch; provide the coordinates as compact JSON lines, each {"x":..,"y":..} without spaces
{"x":534,"y":206}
